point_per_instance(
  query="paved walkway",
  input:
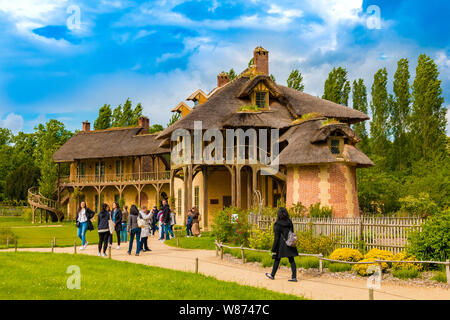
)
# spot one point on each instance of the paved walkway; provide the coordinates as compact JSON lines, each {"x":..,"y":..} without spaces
{"x":310,"y":286}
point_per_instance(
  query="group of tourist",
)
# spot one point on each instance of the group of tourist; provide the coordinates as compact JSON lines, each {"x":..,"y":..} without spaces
{"x":138,"y":224}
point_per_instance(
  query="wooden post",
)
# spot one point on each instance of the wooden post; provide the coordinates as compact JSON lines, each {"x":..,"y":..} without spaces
{"x":320,"y":263}
{"x":221,"y":251}
{"x":109,"y":252}
{"x":7,"y":242}
{"x":196,"y":265}
{"x":74,"y":247}
{"x":447,"y":269}
{"x":217,"y":250}
{"x":370,"y":293}
{"x":15,"y":245}
{"x":178,"y":241}
{"x":380,"y":271}
{"x":53,"y":246}
{"x":238,"y":186}
{"x":243,"y":254}
{"x":54,"y":241}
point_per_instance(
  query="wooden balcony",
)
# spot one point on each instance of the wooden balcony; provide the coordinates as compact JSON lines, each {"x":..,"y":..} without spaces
{"x":115,"y":179}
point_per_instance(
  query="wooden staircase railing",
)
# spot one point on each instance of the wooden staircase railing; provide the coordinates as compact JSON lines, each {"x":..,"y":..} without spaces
{"x":38,"y":201}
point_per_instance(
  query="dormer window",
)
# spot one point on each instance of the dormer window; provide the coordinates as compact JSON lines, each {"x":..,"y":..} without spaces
{"x":260,"y":99}
{"x":336,"y":143}
{"x":195,"y":103}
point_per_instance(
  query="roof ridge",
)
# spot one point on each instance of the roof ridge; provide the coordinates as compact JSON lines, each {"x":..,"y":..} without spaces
{"x":109,"y":129}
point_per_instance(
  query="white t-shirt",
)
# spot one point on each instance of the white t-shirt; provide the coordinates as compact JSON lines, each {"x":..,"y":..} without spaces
{"x":82,"y":216}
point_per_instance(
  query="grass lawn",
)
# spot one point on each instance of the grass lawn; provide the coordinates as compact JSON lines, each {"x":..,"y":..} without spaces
{"x":40,"y":235}
{"x":29,"y":275}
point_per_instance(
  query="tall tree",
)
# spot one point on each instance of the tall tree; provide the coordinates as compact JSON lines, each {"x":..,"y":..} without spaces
{"x":137,"y":112}
{"x":49,"y":138}
{"x":360,"y":103}
{"x":295,"y":80}
{"x":175,"y":117}
{"x":379,"y":126}
{"x":400,"y":114}
{"x":104,"y":118}
{"x":272,"y":77}
{"x":116,"y":116}
{"x":337,"y":87}
{"x":428,"y":113}
{"x":126,"y":118}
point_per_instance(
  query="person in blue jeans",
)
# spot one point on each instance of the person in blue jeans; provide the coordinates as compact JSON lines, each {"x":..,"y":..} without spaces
{"x":154,"y":220}
{"x":83,"y":219}
{"x":124,"y":231}
{"x":165,"y":220}
{"x":189,"y":224}
{"x":134,"y":230}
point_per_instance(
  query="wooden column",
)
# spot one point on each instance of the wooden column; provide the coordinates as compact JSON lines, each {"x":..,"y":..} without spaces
{"x":157,"y":168}
{"x":233,"y":186}
{"x":158,"y":189}
{"x":205,"y":196}
{"x":255,"y":179}
{"x":172,"y":183}
{"x":57,"y":183}
{"x":140,"y":168}
{"x":190,"y":174}
{"x":185,"y":189}
{"x":238,"y":186}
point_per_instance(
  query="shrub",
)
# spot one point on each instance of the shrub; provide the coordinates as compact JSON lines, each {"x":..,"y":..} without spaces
{"x":316,"y":211}
{"x":379,"y":254}
{"x":309,"y":243}
{"x":297,"y":210}
{"x":248,"y":108}
{"x":362,"y":269}
{"x":226,"y":231}
{"x":433,"y":242}
{"x":260,"y":239}
{"x":440,"y":276}
{"x":339,"y":267}
{"x":405,"y":273}
{"x":346,"y":254}
{"x":402,"y":256}
{"x":306,"y":116}
{"x":422,"y":206}
{"x":5,"y":233}
{"x":27,"y":214}
{"x":307,"y":262}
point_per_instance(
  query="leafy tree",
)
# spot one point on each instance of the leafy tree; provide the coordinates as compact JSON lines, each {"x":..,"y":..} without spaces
{"x":49,"y":138}
{"x":337,"y":87}
{"x":175,"y":117}
{"x":156,"y":128}
{"x":5,"y":136}
{"x":126,"y":118}
{"x":428,"y":138}
{"x":379,"y":127}
{"x":116,"y":116}
{"x":295,"y":80}
{"x":104,"y":118}
{"x":20,"y":180}
{"x":137,"y":112}
{"x":232,"y":74}
{"x":272,"y":77}
{"x":251,"y":62}
{"x":400,"y":114}
{"x":360,"y":104}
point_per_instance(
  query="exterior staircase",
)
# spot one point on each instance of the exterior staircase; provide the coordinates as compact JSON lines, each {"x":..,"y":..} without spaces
{"x":38,"y":201}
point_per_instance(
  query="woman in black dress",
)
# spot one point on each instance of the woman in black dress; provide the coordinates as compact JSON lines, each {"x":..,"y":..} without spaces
{"x":280,"y":249}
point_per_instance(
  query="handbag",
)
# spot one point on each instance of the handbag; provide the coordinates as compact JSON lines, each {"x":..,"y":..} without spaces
{"x":111,"y":225}
{"x":140,"y":222}
{"x":291,"y":240}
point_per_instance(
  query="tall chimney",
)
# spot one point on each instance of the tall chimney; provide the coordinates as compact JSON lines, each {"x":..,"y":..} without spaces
{"x":86,"y":126}
{"x":144,"y":122}
{"x":222,"y":79}
{"x":261,"y":60}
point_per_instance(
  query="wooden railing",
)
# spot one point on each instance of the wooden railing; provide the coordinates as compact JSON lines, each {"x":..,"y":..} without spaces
{"x":389,"y":233}
{"x":116,"y":178}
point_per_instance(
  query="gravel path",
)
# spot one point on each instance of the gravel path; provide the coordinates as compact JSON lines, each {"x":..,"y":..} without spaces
{"x":310,"y":285}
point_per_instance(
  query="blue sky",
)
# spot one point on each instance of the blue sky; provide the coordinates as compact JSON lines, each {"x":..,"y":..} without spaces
{"x":158,"y":52}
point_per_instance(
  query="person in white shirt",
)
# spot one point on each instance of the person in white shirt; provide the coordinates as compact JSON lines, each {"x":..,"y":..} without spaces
{"x":83,"y":219}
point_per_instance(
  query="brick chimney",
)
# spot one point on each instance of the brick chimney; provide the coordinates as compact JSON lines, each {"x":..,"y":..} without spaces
{"x":261,"y":60}
{"x":222,"y":79}
{"x":144,"y":122}
{"x":86,"y":126}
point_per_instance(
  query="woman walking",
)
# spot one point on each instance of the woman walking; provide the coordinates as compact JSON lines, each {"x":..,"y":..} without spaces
{"x":145,"y":231}
{"x":123,"y":231}
{"x":154,"y":220}
{"x":189,"y":224}
{"x":83,"y":219}
{"x":173,"y":222}
{"x":280,"y":248}
{"x":195,"y":222}
{"x":103,"y":229}
{"x":134,"y":229}
{"x":116,"y":216}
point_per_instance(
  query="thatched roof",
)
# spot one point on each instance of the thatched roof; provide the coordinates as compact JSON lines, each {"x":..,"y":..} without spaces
{"x":222,"y":108}
{"x":325,"y":131}
{"x":110,"y":143}
{"x":302,"y":148}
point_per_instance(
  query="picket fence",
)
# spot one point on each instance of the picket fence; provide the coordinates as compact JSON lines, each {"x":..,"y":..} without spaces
{"x":387,"y":233}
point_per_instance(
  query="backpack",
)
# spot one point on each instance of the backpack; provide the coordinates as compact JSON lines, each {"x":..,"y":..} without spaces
{"x":291,"y":240}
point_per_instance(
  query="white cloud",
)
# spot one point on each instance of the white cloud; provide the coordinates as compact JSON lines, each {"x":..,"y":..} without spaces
{"x":13,"y":121}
